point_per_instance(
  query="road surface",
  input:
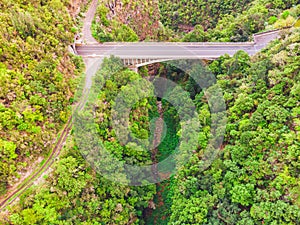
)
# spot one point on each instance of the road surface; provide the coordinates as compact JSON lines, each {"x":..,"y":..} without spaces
{"x":160,"y":50}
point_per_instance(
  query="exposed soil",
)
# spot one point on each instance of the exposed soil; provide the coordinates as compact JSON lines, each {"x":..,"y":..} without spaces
{"x":142,"y":16}
{"x":153,"y":69}
{"x":89,"y":16}
{"x":16,"y":191}
{"x":160,"y":201}
{"x":75,"y":7}
{"x":24,"y":174}
{"x":185,"y":28}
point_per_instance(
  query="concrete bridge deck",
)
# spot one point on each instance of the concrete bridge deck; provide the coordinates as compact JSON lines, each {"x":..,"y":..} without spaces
{"x":143,"y":53}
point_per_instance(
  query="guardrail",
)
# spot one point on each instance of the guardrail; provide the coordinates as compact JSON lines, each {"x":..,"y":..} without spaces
{"x":178,"y":43}
{"x":266,"y":32}
{"x":154,"y":43}
{"x":252,"y":43}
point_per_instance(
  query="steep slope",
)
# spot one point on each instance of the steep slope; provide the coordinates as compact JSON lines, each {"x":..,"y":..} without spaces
{"x":190,"y":21}
{"x":37,"y":82}
{"x":255,"y":179}
{"x":123,"y":20}
{"x":184,"y":15}
{"x":74,"y":193}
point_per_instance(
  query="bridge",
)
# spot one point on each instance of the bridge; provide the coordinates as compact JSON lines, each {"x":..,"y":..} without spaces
{"x":135,"y":55}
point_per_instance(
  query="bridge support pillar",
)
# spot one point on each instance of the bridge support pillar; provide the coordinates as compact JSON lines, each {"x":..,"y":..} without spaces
{"x":133,"y":68}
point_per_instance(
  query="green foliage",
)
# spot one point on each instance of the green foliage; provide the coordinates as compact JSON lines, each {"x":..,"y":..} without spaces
{"x":7,"y":164}
{"x":242,"y":194}
{"x":197,"y":35}
{"x":118,"y":32}
{"x":127,"y":21}
{"x":225,"y":20}
{"x":285,"y":14}
{"x":176,"y":14}
{"x":124,"y":33}
{"x":37,"y":80}
{"x":256,"y":177}
{"x":73,"y":193}
{"x":102,"y":12}
{"x":70,"y":176}
{"x":272,"y":20}
{"x":193,"y":21}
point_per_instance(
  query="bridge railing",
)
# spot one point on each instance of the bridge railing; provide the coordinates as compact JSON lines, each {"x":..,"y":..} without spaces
{"x":180,"y":43}
{"x":266,"y":32}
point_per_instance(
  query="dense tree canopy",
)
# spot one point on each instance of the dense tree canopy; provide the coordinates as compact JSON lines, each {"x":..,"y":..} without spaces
{"x":37,"y":81}
{"x":191,"y":21}
{"x":255,"y":178}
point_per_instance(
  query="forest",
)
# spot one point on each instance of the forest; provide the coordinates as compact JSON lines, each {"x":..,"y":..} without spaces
{"x":253,"y":180}
{"x":191,"y":21}
{"x":38,"y":79}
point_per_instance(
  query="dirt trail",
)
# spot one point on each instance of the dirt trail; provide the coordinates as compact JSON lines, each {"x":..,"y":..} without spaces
{"x":27,"y":181}
{"x":13,"y":194}
{"x":86,"y":31}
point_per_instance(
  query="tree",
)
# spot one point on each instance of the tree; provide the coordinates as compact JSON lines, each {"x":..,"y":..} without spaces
{"x":197,"y":35}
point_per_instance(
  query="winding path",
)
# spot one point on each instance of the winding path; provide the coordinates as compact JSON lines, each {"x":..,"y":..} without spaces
{"x":14,"y":193}
{"x":86,"y":31}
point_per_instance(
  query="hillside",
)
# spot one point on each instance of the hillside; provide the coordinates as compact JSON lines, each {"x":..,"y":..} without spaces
{"x":126,"y":20}
{"x":199,"y":20}
{"x":253,"y":180}
{"x":37,"y":83}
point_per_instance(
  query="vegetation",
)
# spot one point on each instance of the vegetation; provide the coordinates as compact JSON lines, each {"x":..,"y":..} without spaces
{"x":163,"y":198}
{"x":127,"y":21}
{"x":118,"y":31}
{"x":74,"y":193}
{"x":37,"y":82}
{"x":193,"y":21}
{"x":259,"y":16}
{"x":180,"y":15}
{"x":255,"y":178}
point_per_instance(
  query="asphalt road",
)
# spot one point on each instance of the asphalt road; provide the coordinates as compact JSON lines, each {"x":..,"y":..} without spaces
{"x":161,"y":51}
{"x":175,"y":50}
